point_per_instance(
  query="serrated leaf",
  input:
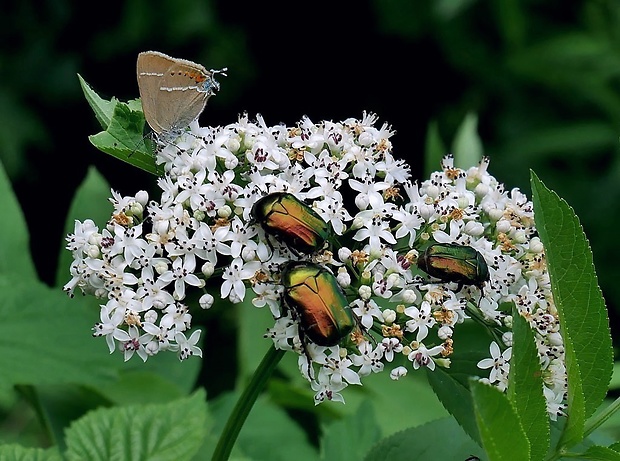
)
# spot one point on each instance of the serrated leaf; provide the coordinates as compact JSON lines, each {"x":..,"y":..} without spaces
{"x":359,"y":428}
{"x":93,"y":190}
{"x":171,"y":431}
{"x":455,"y":398}
{"x":123,"y":125}
{"x":18,"y":453}
{"x":14,"y":247}
{"x":501,"y":433}
{"x":580,"y":305}
{"x":467,"y":147}
{"x":442,"y":439}
{"x":434,"y":149}
{"x":526,"y":388}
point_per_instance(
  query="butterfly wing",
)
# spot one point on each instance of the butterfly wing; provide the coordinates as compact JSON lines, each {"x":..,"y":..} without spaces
{"x":174,"y":92}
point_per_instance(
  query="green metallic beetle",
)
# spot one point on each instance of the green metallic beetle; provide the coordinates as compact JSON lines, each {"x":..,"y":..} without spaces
{"x":290,"y":220}
{"x":455,"y":263}
{"x":314,"y":298}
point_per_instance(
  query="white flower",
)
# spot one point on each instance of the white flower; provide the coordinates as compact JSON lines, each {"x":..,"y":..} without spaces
{"x":370,"y":359}
{"x":499,"y":362}
{"x":187,"y":346}
{"x":398,"y":373}
{"x":424,"y":357}
{"x":421,"y":320}
{"x":327,"y":390}
{"x":182,"y":273}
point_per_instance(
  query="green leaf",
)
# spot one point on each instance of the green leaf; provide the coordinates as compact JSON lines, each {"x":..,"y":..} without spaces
{"x":580,"y":305}
{"x":93,"y":190}
{"x":361,"y":428}
{"x":442,"y":439}
{"x":171,"y":431}
{"x":123,"y":125}
{"x":467,"y":147}
{"x":45,"y":337}
{"x":500,"y":430}
{"x":456,"y":398}
{"x":434,"y":149}
{"x":598,"y":453}
{"x":19,"y":453}
{"x":526,"y":387}
{"x":14,"y":247}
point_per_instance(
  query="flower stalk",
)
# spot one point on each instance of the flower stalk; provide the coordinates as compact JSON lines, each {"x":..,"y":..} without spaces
{"x":245,"y":403}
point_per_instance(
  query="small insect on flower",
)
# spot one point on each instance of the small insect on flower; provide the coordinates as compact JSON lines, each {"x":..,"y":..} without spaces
{"x":315,"y":300}
{"x":290,"y":220}
{"x":455,"y":263}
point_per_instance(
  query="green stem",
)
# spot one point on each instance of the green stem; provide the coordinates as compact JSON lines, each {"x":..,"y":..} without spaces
{"x":245,"y":403}
{"x":595,"y":422}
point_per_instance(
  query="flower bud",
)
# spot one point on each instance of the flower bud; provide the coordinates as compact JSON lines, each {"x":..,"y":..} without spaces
{"x":474,"y":228}
{"x":362,"y":201}
{"x":520,"y":237}
{"x":232,"y":144}
{"x":206,"y":301}
{"x":343,"y":277}
{"x":224,"y":212}
{"x":432,"y":191}
{"x":207,"y":269}
{"x":344,"y":254}
{"x":503,"y":225}
{"x":365,"y":292}
{"x":507,"y":338}
{"x":536,"y":245}
{"x":160,"y":267}
{"x":495,"y":214}
{"x":409,"y":296}
{"x":481,"y":190}
{"x":142,"y":197}
{"x":389,"y":316}
{"x":444,"y":332}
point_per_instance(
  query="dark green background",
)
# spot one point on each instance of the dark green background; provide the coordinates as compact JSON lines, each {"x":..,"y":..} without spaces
{"x":543,"y":77}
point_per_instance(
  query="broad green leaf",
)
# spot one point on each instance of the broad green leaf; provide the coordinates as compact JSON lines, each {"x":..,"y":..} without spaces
{"x":46,"y":337}
{"x":526,"y":387}
{"x":434,"y":149}
{"x":123,"y":125}
{"x":268,"y":434}
{"x":580,"y":305}
{"x":172,"y":431}
{"x":360,"y":428}
{"x":19,"y":453}
{"x":456,"y":398}
{"x":89,"y":202}
{"x":442,"y":439}
{"x":14,"y":247}
{"x":467,"y":147}
{"x":501,"y":433}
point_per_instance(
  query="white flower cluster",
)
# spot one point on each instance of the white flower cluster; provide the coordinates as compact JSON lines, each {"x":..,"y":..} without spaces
{"x":152,"y":257}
